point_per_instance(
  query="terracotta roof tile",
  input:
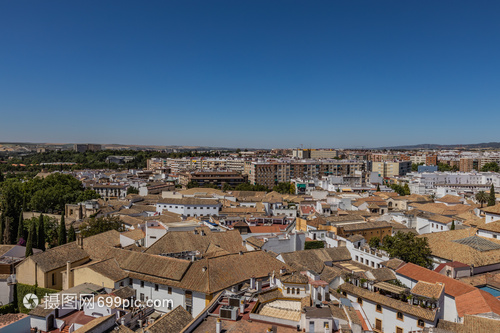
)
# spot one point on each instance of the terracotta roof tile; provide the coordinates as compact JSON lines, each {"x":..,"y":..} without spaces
{"x":452,"y":287}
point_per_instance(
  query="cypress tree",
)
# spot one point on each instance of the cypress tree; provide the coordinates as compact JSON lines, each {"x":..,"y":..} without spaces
{"x":1,"y":177}
{"x":41,"y":233}
{"x":20,"y":229}
{"x":452,"y":225}
{"x":6,"y":230}
{"x":492,"y":199}
{"x":378,"y":187}
{"x":62,"y":232}
{"x":29,"y":242}
{"x":71,"y":234}
{"x":2,"y":217}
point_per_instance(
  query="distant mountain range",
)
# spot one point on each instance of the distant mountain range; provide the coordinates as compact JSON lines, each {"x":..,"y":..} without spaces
{"x":484,"y":145}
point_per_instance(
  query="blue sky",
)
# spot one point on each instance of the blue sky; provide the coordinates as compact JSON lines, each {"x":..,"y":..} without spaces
{"x":250,"y":73}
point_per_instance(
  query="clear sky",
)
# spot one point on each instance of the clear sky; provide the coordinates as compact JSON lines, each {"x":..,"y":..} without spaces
{"x":250,"y":73}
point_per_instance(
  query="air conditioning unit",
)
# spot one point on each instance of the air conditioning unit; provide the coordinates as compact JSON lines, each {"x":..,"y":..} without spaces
{"x":229,"y":312}
{"x":235,"y":301}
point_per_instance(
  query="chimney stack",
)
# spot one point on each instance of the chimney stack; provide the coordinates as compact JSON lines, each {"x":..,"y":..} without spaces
{"x":242,"y":306}
{"x":217,"y":326}
{"x":69,"y":275}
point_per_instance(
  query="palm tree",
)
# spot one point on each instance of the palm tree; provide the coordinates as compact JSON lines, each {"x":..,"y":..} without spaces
{"x":481,"y":197}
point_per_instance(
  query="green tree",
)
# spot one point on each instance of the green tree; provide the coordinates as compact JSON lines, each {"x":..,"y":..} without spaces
{"x":6,"y":230}
{"x":283,"y":188}
{"x":1,"y":177}
{"x":378,"y":187}
{"x":29,"y":242}
{"x":409,"y":248}
{"x":192,"y":184}
{"x":61,"y":239}
{"x":87,"y":195}
{"x":374,"y":242}
{"x":20,"y":229}
{"x":309,"y":245}
{"x":226,"y":187}
{"x":98,"y":225}
{"x":406,"y":189}
{"x":132,"y":190}
{"x":490,"y":167}
{"x":452,"y":225}
{"x":492,"y":199}
{"x":2,"y":218}
{"x":41,"y":233}
{"x":71,"y":234}
{"x":481,"y":197}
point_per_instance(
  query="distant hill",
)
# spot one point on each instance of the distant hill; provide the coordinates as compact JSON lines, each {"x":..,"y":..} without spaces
{"x":494,"y":145}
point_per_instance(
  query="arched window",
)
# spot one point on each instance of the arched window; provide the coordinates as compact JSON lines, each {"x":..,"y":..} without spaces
{"x":288,"y":290}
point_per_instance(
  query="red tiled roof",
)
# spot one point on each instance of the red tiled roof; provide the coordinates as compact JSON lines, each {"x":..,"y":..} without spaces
{"x":477,"y":302}
{"x":452,"y":287}
{"x":454,"y":264}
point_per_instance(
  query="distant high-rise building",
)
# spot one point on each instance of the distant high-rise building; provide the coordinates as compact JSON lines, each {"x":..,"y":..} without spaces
{"x":82,"y":148}
{"x":391,"y":169}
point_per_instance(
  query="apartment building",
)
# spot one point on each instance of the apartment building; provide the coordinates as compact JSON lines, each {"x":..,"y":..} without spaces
{"x":466,"y":164}
{"x":391,"y":169}
{"x":315,"y":153}
{"x":272,"y":173}
{"x":218,"y":178}
{"x":425,"y":159}
{"x":196,"y":163}
{"x":82,"y":148}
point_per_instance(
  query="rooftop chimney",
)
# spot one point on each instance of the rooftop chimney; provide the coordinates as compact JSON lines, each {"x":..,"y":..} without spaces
{"x":69,"y":275}
{"x":217,"y":326}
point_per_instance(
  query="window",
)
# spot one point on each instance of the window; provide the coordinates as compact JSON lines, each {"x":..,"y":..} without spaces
{"x":53,"y":278}
{"x":399,"y":330}
{"x":121,"y":284}
{"x":141,"y":297}
{"x":156,"y":287}
{"x":169,"y":290}
{"x":130,"y":281}
{"x":142,"y":284}
{"x":420,"y":323}
{"x":399,"y":315}
{"x":293,"y":290}
{"x":326,"y":324}
{"x":357,"y":258}
{"x":378,"y":325}
{"x":379,"y":308}
{"x":360,"y":301}
{"x":288,"y":290}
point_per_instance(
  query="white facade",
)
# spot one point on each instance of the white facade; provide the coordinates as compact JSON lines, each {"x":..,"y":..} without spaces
{"x":388,"y":317}
{"x":189,"y":210}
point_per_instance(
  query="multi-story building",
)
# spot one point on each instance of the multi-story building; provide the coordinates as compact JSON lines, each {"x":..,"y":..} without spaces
{"x":196,"y":163}
{"x":82,"y":148}
{"x":314,"y":153}
{"x":425,"y":159}
{"x":466,"y":164}
{"x":391,"y":169}
{"x":272,"y":173}
{"x":218,"y":178}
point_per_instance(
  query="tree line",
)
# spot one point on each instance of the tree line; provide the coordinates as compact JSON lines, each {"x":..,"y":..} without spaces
{"x":45,"y":195}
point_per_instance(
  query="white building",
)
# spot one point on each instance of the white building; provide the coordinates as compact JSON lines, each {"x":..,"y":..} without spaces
{"x":189,"y":206}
